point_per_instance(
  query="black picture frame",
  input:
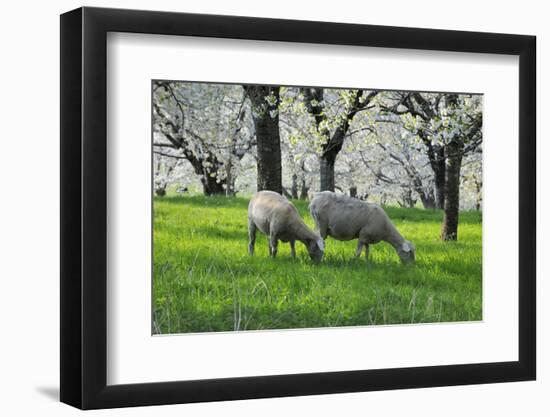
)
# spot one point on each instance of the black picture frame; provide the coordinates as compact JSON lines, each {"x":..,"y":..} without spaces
{"x":84,"y":207}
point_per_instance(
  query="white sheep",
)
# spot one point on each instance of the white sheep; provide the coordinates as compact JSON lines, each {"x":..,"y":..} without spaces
{"x":347,"y":218}
{"x":277,"y":218}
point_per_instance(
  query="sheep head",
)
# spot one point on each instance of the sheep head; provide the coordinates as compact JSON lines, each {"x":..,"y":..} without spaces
{"x":407,"y":252}
{"x":316,"y":248}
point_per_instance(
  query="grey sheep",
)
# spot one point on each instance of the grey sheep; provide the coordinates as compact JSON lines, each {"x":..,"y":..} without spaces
{"x":277,"y":218}
{"x":347,"y":218}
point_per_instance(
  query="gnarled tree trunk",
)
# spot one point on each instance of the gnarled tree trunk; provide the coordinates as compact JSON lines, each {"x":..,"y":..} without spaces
{"x":428,"y":200}
{"x":333,"y":144}
{"x":211,"y":186}
{"x":205,"y":164}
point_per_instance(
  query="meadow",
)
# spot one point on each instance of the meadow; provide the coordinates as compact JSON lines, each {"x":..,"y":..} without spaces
{"x":205,"y":281}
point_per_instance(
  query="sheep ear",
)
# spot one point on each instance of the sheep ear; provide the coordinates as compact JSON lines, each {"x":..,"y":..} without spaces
{"x":321,"y":244}
{"x":407,"y":247}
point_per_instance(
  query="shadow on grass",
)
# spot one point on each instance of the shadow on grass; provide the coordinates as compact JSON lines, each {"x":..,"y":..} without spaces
{"x":395,"y":213}
{"x":419,"y":274}
{"x":204,"y":201}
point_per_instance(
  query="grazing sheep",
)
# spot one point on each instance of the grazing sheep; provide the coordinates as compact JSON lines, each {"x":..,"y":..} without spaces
{"x":277,"y":218}
{"x":347,"y":218}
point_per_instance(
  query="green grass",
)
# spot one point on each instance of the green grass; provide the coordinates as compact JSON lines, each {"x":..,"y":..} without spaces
{"x":205,"y":281}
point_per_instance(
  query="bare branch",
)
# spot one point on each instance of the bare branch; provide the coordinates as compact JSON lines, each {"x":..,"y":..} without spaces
{"x":169,"y":156}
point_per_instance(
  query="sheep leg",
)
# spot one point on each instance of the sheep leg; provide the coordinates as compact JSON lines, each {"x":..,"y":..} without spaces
{"x":323,"y":231}
{"x":367,"y":251}
{"x":293,"y":248}
{"x":359,"y":249}
{"x":273,"y":246}
{"x":251,"y":237}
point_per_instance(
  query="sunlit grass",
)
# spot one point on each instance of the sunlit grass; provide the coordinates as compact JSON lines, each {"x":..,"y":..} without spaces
{"x":204,"y":280}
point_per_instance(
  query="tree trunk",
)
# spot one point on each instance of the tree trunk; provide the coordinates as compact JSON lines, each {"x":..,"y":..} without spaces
{"x":326,"y":169}
{"x":269,"y":154}
{"x":428,"y":201}
{"x":479,"y":195}
{"x":205,"y":163}
{"x":313,"y":99}
{"x":436,"y":156}
{"x":206,"y":169}
{"x":426,"y":196}
{"x":327,"y":160}
{"x":265,"y":102}
{"x":211,"y":186}
{"x":440,"y":185}
{"x":449,"y":228}
{"x":229,"y":179}
{"x":407,"y":199}
{"x":294,"y":187}
{"x":304,"y":190}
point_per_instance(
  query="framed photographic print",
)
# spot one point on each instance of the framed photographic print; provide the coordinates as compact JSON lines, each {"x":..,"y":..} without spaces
{"x":255,"y":208}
